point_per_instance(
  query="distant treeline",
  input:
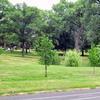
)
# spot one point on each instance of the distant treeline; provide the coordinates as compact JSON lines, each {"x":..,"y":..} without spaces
{"x":70,"y":25}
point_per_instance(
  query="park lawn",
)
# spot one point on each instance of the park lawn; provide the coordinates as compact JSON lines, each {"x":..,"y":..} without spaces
{"x":26,"y":75}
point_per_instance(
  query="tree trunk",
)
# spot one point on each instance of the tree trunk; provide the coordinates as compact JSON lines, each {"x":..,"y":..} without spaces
{"x":26,"y":50}
{"x":77,"y":39}
{"x":46,"y":71}
{"x":5,"y":45}
{"x":23,"y":49}
{"x":82,"y":52}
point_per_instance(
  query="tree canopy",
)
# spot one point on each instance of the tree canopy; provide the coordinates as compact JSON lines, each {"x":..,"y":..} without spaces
{"x":70,"y":25}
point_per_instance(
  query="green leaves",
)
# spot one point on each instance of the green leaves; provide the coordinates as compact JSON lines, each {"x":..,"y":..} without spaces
{"x":1,"y":51}
{"x":94,"y":56}
{"x":91,"y":21}
{"x":72,"y":58}
{"x":44,"y":48}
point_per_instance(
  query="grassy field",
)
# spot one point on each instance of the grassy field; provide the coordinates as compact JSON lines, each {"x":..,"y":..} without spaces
{"x":26,"y":75}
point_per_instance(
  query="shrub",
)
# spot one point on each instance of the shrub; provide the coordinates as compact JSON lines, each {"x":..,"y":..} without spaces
{"x":55,"y":58}
{"x":72,"y":58}
{"x":94,"y":56}
{"x":1,"y":51}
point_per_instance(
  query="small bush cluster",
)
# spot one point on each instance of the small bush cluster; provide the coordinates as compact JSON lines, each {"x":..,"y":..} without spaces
{"x":94,"y":56}
{"x":72,"y":58}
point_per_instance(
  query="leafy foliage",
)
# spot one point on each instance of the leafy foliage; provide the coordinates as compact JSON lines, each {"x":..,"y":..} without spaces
{"x":1,"y":51}
{"x":70,"y":25}
{"x":72,"y":58}
{"x":94,"y":56}
{"x":55,"y":58}
{"x":44,"y":48}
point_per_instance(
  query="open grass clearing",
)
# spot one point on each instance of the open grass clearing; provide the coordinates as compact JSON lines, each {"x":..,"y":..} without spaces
{"x":26,"y":75}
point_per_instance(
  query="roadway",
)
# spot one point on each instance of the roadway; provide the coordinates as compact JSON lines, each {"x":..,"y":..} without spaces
{"x":86,"y":94}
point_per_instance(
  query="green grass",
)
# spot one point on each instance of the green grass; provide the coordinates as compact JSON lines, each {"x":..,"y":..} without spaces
{"x":26,"y":75}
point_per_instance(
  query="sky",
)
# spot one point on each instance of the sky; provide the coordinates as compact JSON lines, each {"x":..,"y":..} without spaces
{"x":41,"y":4}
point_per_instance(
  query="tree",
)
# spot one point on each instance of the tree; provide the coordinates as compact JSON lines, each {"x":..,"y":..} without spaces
{"x":22,"y":18}
{"x":5,"y":8}
{"x":44,"y":48}
{"x":70,"y":25}
{"x":63,"y":27}
{"x":91,"y":21}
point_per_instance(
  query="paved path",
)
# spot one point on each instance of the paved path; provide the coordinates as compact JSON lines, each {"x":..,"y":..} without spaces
{"x":92,"y":94}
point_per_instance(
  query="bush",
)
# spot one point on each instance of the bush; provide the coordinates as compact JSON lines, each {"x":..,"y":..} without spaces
{"x":72,"y":58}
{"x":1,"y":51}
{"x":55,"y":58}
{"x":94,"y":56}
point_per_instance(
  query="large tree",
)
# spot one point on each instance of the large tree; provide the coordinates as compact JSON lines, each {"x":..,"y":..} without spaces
{"x":63,"y":26}
{"x":70,"y":24}
{"x":22,"y":18}
{"x":92,"y":21}
{"x":5,"y":8}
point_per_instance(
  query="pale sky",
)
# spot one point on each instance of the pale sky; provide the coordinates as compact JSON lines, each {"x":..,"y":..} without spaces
{"x":42,"y":4}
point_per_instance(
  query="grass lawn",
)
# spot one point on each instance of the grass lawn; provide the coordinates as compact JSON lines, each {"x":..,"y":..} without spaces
{"x":26,"y":75}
